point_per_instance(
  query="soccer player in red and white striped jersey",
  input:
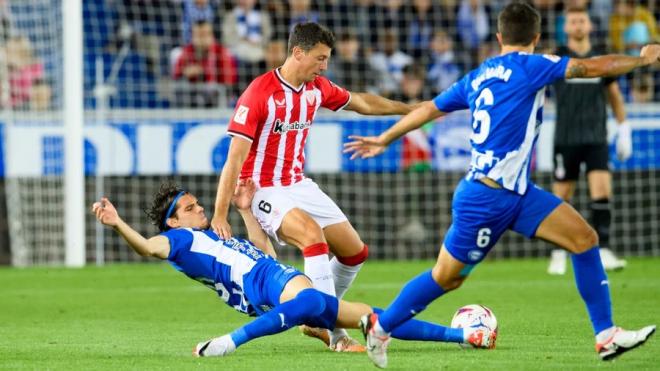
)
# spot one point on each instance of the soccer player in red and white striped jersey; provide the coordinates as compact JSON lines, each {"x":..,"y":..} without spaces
{"x":269,"y":129}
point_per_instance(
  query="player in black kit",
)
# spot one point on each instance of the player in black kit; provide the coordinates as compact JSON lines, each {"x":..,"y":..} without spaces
{"x":581,"y":137}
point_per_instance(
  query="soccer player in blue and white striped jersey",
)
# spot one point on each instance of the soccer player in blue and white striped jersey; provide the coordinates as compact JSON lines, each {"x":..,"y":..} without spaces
{"x":247,"y":276}
{"x":505,"y":95}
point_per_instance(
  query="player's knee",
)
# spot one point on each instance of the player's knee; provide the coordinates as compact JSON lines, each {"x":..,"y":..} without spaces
{"x":585,"y":240}
{"x":300,"y":229}
{"x":313,"y":301}
{"x":447,"y":282}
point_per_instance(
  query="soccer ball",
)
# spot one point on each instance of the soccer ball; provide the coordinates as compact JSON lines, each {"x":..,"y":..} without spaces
{"x":473,"y":316}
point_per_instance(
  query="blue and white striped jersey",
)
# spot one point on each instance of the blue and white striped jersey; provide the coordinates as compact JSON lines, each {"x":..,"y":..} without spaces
{"x":219,"y":264}
{"x":505,"y":95}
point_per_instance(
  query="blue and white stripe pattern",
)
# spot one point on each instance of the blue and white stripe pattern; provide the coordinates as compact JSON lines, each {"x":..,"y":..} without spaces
{"x":505,"y":95}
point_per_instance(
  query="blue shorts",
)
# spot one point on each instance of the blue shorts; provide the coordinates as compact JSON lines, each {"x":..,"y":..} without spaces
{"x":481,"y":214}
{"x":264,"y":284}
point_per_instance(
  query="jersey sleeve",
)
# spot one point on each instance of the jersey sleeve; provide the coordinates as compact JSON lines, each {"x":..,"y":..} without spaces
{"x":179,"y":239}
{"x":454,"y":98}
{"x":333,"y":97}
{"x":248,"y":114}
{"x":544,"y":69}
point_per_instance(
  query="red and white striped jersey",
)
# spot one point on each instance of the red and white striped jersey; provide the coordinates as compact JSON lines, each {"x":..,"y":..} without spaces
{"x":276,"y":118}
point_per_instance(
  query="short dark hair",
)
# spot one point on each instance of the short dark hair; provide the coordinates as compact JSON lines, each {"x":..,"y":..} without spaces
{"x":518,"y":23}
{"x":161,"y":203}
{"x":306,"y":35}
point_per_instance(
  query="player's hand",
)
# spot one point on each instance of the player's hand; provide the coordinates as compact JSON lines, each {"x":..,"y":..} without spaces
{"x":221,"y":227}
{"x":243,"y":194}
{"x":623,"y":141}
{"x":650,"y":53}
{"x":105,"y":212}
{"x":364,"y":147}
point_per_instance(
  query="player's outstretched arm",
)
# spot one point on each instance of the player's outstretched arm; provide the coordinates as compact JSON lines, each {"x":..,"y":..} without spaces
{"x":157,"y":246}
{"x":238,"y":151}
{"x":366,"y":147}
{"x":371,"y":104}
{"x":611,"y":65}
{"x":242,"y":199}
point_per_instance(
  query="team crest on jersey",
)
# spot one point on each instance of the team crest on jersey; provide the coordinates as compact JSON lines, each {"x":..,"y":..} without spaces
{"x":241,"y":114}
{"x":310,"y":97}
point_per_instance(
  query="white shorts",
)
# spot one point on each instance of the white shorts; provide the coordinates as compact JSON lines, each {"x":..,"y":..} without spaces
{"x":271,"y":204}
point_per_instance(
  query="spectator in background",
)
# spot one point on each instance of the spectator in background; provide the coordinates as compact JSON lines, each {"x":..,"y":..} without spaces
{"x":421,"y":24}
{"x":642,"y":88}
{"x":394,"y":16}
{"x":151,"y":25}
{"x":349,"y":68}
{"x":26,"y":76}
{"x":301,"y":11}
{"x":246,"y":31}
{"x":416,"y":148}
{"x":204,"y":66}
{"x":473,"y":27}
{"x":195,"y":11}
{"x":6,"y":28}
{"x":389,"y":62}
{"x":627,"y":14}
{"x":279,"y":17}
{"x":443,"y":70}
{"x":275,"y":54}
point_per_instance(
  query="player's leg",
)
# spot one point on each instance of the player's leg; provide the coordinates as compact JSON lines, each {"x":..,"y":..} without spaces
{"x":350,"y":314}
{"x":280,"y":217}
{"x":565,"y":227}
{"x":567,"y":160}
{"x":600,"y":192}
{"x":480,"y":215}
{"x":293,"y":300}
{"x":344,"y":242}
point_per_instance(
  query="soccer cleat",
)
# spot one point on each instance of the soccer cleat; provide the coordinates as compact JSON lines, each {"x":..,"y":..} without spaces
{"x":610,"y":261}
{"x":557,"y":262}
{"x":376,"y":344}
{"x":346,"y":344}
{"x":315,"y":332}
{"x":622,"y":341}
{"x":482,"y":337}
{"x":216,"y":347}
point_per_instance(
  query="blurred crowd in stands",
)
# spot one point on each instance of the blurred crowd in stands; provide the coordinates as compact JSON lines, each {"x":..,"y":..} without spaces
{"x":203,"y":53}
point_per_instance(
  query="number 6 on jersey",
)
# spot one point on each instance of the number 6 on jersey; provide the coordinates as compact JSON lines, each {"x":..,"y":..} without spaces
{"x":482,"y":117}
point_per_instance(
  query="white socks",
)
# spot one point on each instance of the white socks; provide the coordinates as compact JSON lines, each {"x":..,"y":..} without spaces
{"x":317,"y":268}
{"x":344,"y":275}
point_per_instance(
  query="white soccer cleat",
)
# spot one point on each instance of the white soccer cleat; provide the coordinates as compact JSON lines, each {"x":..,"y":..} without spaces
{"x":216,"y":347}
{"x":610,"y":261}
{"x":376,"y":344}
{"x":622,"y":341}
{"x":557,"y":262}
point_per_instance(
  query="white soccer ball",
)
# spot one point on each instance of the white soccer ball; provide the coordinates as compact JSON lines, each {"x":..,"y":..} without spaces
{"x":474,"y":316}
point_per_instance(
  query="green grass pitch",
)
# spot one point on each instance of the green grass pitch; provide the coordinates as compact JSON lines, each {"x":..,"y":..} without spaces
{"x":150,"y":316}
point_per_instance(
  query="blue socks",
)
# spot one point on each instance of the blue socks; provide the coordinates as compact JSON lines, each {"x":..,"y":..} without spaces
{"x":306,"y":306}
{"x":594,"y":288}
{"x":414,"y":329}
{"x":413,"y":298}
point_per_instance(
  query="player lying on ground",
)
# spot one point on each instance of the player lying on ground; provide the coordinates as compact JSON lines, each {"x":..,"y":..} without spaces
{"x":505,"y":95}
{"x":250,"y":280}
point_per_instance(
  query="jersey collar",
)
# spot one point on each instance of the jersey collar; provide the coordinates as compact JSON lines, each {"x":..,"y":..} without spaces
{"x":288,"y":85}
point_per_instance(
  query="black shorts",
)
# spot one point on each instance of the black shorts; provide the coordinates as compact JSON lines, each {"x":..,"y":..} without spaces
{"x":567,"y":160}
